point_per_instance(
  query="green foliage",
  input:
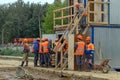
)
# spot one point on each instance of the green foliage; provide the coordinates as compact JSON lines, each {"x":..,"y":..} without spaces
{"x":48,"y":24}
{"x":21,"y":19}
{"x":10,"y":52}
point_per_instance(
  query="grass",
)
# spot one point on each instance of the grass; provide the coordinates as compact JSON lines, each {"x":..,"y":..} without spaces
{"x":10,"y":52}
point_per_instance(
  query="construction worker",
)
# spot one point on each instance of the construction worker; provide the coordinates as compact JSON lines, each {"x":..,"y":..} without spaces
{"x":79,"y":51}
{"x":46,"y":50}
{"x":26,"y":51}
{"x":35,"y":51}
{"x":58,"y":53}
{"x":89,"y":53}
{"x":41,"y":57}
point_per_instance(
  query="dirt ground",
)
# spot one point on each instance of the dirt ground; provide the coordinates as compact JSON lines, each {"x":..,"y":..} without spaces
{"x":8,"y":72}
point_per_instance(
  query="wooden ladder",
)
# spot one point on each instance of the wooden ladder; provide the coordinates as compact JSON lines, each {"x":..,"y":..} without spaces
{"x":69,"y":30}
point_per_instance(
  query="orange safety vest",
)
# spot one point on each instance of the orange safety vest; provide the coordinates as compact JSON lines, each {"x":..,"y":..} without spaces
{"x":66,"y":47}
{"x":45,"y":47}
{"x":80,"y":48}
{"x":90,"y":46}
{"x":40,"y":48}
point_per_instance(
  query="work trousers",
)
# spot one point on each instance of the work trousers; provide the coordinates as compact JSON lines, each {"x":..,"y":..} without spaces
{"x":46,"y":58}
{"x":25,"y":57}
{"x":35,"y":58}
{"x":89,"y":61}
{"x":79,"y":61}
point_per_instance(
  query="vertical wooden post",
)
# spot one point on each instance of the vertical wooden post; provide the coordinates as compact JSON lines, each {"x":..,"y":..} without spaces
{"x":71,"y":51}
{"x":98,"y":7}
{"x":61,"y":59}
{"x":54,"y":19}
{"x":62,"y":18}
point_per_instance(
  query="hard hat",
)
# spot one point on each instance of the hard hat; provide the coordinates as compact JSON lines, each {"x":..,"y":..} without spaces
{"x":85,"y":14}
{"x":64,"y":38}
{"x":88,"y":38}
{"x":46,"y":39}
{"x":79,"y":37}
{"x":42,"y":39}
{"x":77,"y":5}
{"x":38,"y":39}
{"x":25,"y":40}
{"x":56,"y":39}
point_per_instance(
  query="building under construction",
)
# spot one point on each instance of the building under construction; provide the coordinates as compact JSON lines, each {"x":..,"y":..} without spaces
{"x":98,"y":24}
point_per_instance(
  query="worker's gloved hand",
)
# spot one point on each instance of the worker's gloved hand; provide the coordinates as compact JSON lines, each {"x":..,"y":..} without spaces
{"x":92,"y":52}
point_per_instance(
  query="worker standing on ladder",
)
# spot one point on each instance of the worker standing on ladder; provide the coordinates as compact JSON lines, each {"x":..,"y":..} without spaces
{"x":79,"y":51}
{"x":89,"y":53}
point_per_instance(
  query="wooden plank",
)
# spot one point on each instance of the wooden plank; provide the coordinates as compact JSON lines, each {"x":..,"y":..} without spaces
{"x":97,"y":12}
{"x":99,"y":2}
{"x":71,"y":51}
{"x":57,"y":10}
{"x":98,"y":23}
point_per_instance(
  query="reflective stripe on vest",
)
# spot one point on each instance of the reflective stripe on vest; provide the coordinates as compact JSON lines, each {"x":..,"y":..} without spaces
{"x":80,"y":48}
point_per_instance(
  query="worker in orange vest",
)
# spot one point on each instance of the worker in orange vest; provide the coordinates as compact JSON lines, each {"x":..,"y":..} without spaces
{"x":58,"y":53}
{"x":89,"y":53}
{"x":26,"y":51}
{"x":79,"y":51}
{"x":41,"y":57}
{"x":46,"y":50}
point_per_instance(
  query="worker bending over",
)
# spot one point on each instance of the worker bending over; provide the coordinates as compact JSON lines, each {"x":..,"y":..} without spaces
{"x":79,"y":51}
{"x":89,"y":53}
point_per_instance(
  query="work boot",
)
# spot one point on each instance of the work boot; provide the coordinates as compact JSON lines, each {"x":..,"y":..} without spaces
{"x":22,"y":63}
{"x":26,"y":63}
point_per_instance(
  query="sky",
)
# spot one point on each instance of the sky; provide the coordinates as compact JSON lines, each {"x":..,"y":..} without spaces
{"x":31,"y":1}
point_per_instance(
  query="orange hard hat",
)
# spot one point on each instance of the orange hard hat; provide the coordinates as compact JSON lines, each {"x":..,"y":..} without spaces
{"x":38,"y":39}
{"x":25,"y":40}
{"x":46,"y":39}
{"x":64,"y":38}
{"x":88,"y":38}
{"x":56,"y":39}
{"x":79,"y":37}
{"x":77,"y":5}
{"x":43,"y":39}
{"x":85,"y":14}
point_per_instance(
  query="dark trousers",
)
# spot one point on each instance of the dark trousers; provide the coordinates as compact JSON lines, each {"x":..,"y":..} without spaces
{"x":47,"y":59}
{"x":89,"y":61}
{"x":79,"y":61}
{"x":58,"y":57}
{"x":41,"y":59}
{"x":35,"y":58}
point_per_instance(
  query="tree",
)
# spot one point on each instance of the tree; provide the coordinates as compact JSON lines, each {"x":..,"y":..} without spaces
{"x":47,"y":25}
